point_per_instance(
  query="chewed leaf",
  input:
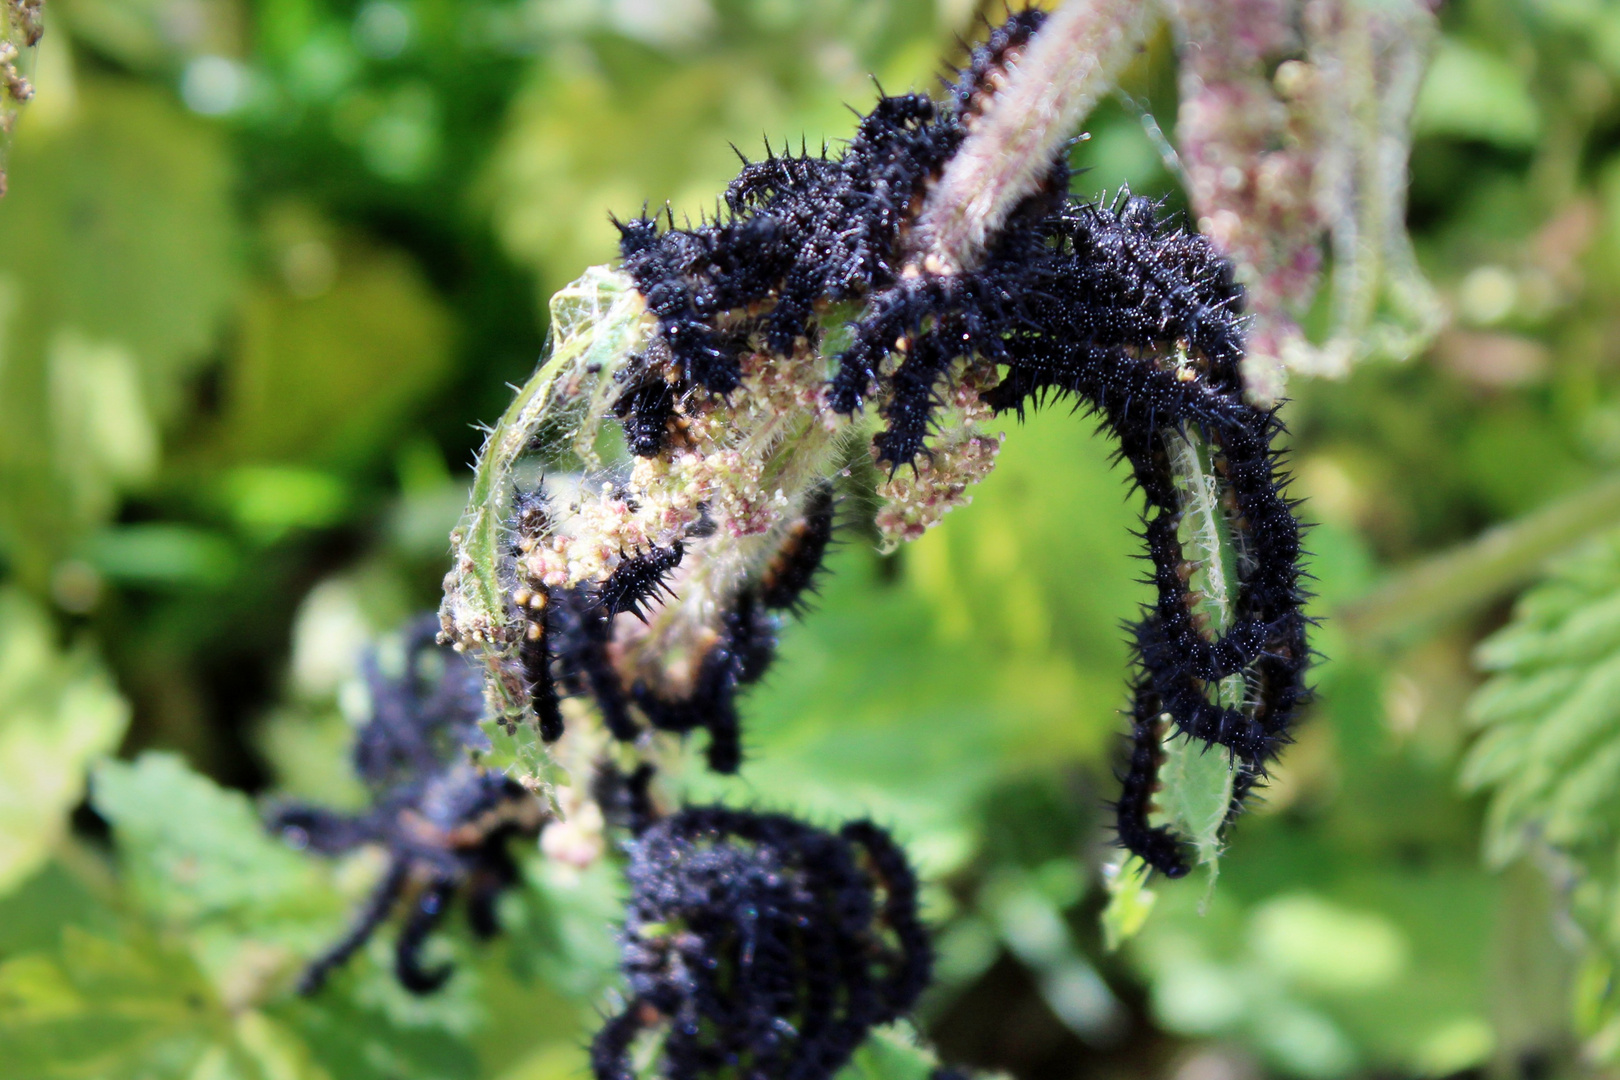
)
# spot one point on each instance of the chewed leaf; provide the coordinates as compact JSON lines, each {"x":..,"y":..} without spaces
{"x":1197,"y":795}
{"x":518,"y":752}
{"x":1199,"y":779}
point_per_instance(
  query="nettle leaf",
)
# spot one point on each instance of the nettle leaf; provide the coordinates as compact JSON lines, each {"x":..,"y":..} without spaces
{"x":1551,"y":712}
{"x":251,"y":912}
{"x":133,"y":1006}
{"x":194,"y":850}
{"x":356,"y":1041}
{"x":890,"y":1053}
{"x":1549,"y":752}
{"x":1022,"y":662}
{"x":58,"y":711}
{"x":197,"y":859}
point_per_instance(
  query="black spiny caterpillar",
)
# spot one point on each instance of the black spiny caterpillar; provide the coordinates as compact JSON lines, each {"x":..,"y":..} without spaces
{"x":566,"y":650}
{"x":444,"y":822}
{"x":1138,"y":320}
{"x":762,"y":946}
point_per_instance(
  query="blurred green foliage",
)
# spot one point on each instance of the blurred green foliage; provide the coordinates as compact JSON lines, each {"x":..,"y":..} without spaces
{"x":264,"y":262}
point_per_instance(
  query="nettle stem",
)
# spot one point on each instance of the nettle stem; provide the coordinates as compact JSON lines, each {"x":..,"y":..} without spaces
{"x":1072,"y":62}
{"x":1466,"y":578}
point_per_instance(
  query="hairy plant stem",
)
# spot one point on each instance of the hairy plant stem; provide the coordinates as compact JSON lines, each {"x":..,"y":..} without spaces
{"x":1069,"y":65}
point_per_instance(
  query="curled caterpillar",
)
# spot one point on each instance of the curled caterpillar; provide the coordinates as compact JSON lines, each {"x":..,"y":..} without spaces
{"x":755,"y":937}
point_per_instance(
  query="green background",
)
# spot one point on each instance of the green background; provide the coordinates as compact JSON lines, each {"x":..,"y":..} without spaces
{"x":264,"y":263}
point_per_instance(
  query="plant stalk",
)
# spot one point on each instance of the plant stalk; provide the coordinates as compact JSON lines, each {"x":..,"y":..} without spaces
{"x":1461,"y":581}
{"x":1069,"y":65}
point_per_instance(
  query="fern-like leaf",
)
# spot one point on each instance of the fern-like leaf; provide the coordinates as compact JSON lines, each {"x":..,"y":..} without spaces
{"x":1549,"y":751}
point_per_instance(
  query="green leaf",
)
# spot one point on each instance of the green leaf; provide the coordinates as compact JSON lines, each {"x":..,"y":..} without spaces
{"x":197,"y":857}
{"x":117,"y":265}
{"x":120,"y":225}
{"x":1472,"y":94}
{"x":618,"y":125}
{"x":359,"y":1041}
{"x":1197,"y":779}
{"x":1197,"y":795}
{"x":890,"y":1053}
{"x":131,"y":1008}
{"x":332,"y":359}
{"x":1384,"y":968}
{"x":1549,"y":755}
{"x":58,"y":711}
{"x":977,"y":653}
{"x":252,"y":912}
{"x":161,"y":554}
{"x":1130,"y":901}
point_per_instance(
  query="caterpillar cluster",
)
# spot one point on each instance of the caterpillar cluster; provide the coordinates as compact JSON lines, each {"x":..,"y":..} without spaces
{"x":758,"y":944}
{"x":444,"y":822}
{"x":807,"y":231}
{"x":567,"y":647}
{"x":1139,"y":321}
